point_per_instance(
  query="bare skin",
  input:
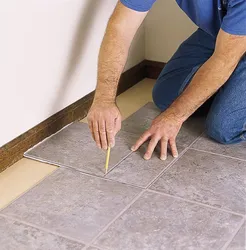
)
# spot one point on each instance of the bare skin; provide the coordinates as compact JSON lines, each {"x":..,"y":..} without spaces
{"x":104,"y":116}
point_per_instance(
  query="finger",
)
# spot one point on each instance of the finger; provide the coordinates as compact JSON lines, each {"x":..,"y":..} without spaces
{"x":151,"y":147}
{"x":163,"y":155}
{"x":103,"y":136}
{"x":96,"y":134}
{"x":173,"y":147}
{"x":91,"y":129}
{"x":117,"y":124}
{"x":144,"y":137}
{"x":110,"y":133}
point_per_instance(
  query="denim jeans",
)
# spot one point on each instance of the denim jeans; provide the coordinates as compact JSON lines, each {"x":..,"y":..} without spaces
{"x":226,"y":119}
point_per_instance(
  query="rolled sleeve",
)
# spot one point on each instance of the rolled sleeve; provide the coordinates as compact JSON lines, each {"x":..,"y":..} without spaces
{"x":235,"y":20}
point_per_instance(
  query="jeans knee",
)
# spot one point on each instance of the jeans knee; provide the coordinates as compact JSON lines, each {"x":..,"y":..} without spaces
{"x":160,"y":97}
{"x":219,"y":130}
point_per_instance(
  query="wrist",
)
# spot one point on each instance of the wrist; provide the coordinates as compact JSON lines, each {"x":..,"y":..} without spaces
{"x":103,"y":99}
{"x":175,"y":115}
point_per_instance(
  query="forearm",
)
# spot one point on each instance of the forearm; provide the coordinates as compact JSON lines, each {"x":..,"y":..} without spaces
{"x":209,"y":78}
{"x":112,"y":58}
{"x":120,"y":32}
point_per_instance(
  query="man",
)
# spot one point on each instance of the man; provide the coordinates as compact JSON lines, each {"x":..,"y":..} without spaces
{"x":211,"y":61}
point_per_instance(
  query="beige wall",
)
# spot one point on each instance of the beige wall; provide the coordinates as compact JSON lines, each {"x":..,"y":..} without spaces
{"x":48,"y":57}
{"x":166,"y":26}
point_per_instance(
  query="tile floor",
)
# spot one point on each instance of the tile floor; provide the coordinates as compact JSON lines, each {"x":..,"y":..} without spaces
{"x":194,"y":202}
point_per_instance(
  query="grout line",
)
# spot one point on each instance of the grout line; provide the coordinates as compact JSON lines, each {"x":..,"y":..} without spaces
{"x":102,"y":178}
{"x":41,"y":228}
{"x":166,"y":168}
{"x":227,"y":156}
{"x":29,"y":189}
{"x":117,"y":164}
{"x":233,"y":235}
{"x":195,"y":202}
{"x":116,"y":217}
{"x":174,"y":161}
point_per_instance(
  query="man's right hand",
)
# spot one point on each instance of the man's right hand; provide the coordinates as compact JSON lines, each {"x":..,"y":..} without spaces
{"x":104,"y":121}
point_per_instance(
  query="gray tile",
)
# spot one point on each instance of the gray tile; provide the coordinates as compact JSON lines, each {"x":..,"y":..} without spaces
{"x":92,"y":248}
{"x":234,"y":150}
{"x":156,"y":221}
{"x":207,"y":178}
{"x":72,"y":204}
{"x":190,"y":131}
{"x":73,"y":147}
{"x":15,"y":235}
{"x":239,"y":241}
{"x":140,"y":121}
{"x":137,"y":171}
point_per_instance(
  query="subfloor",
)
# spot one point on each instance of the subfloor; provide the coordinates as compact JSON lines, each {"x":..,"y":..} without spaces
{"x":195,"y":202}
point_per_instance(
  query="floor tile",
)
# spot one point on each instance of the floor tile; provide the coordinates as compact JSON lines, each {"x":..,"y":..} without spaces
{"x":156,"y":221}
{"x":72,"y":204}
{"x":21,"y":176}
{"x":190,"y":131}
{"x":15,"y":235}
{"x":140,"y":121}
{"x":239,"y":241}
{"x":234,"y":150}
{"x":74,"y":147}
{"x":137,"y":171}
{"x":207,"y":178}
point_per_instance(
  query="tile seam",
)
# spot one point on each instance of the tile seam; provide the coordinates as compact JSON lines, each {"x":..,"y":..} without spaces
{"x":41,"y":228}
{"x":233,"y":235}
{"x":226,"y":156}
{"x":174,"y":161}
{"x":116,"y":217}
{"x":196,"y":202}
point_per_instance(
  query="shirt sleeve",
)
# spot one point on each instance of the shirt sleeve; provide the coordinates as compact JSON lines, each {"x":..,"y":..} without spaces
{"x":234,"y":21}
{"x":138,"y":5}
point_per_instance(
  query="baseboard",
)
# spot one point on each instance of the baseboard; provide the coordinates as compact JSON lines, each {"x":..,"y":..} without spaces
{"x":13,"y":151}
{"x":153,"y":68}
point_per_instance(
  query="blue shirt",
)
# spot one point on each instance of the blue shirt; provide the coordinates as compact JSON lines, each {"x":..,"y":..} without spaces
{"x":206,"y":14}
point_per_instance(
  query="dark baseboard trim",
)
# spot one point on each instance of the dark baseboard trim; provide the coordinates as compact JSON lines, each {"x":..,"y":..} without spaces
{"x":14,"y":150}
{"x":153,"y":69}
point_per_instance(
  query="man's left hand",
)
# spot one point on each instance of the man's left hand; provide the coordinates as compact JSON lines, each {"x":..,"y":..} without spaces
{"x":165,"y":129}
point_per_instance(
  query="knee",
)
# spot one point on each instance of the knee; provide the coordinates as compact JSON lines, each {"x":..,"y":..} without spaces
{"x":219,"y":130}
{"x":160,"y":96}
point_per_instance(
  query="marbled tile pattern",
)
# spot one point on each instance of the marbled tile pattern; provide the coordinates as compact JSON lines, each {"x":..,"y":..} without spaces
{"x":136,"y":171}
{"x":161,"y":222}
{"x":72,"y":204}
{"x":209,"y":179}
{"x":73,"y":147}
{"x":194,"y":202}
{"x":239,"y":241}
{"x":235,"y":150}
{"x":16,"y":235}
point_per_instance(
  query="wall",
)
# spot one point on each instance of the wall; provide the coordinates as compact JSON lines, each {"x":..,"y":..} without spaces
{"x":166,"y":26}
{"x":48,"y":57}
